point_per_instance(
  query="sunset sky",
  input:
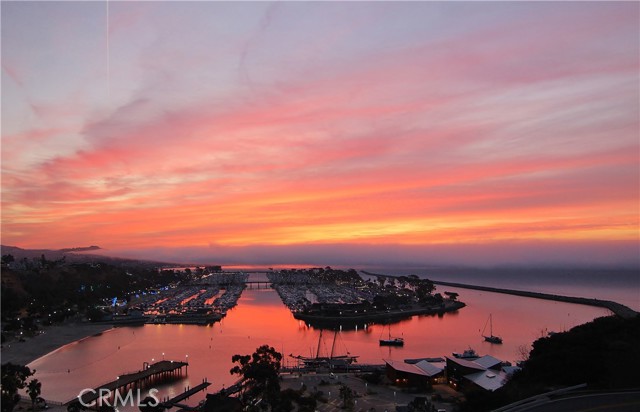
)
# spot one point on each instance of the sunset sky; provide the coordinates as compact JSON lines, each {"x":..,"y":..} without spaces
{"x":339,"y":132}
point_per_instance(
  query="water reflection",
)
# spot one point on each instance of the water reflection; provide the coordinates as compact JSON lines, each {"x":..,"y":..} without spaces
{"x":261,"y":318}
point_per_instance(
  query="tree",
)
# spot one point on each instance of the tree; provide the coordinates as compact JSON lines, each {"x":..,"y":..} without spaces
{"x":33,"y":390}
{"x":424,"y":289}
{"x":95,"y":314}
{"x":13,"y":378}
{"x":523,"y":352}
{"x":6,"y":259}
{"x":346,"y":393}
{"x":260,"y":372}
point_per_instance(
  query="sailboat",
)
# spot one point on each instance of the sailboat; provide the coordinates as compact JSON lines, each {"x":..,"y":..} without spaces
{"x":392,"y":341}
{"x":491,"y":338}
{"x":332,"y":361}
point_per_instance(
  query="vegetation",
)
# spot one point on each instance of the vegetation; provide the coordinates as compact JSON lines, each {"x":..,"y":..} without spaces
{"x":34,"y":389}
{"x":39,"y":290}
{"x":261,"y":383}
{"x":14,"y":377}
{"x":347,"y":396}
{"x":259,"y":373}
{"x":604,"y":354}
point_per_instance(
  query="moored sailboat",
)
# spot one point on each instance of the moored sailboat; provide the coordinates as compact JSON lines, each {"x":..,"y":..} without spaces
{"x":392,"y":341}
{"x":332,"y":361}
{"x":491,"y":338}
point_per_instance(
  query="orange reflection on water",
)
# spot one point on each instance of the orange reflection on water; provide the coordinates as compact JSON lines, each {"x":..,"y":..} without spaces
{"x":261,"y":318}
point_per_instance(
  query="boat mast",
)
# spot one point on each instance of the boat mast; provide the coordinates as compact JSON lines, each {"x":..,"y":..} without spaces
{"x":333,"y":345}
{"x":491,"y":325}
{"x":319,"y":341}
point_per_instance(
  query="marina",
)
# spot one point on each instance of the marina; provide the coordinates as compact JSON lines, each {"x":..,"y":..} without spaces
{"x":260,"y":317}
{"x":203,"y":303}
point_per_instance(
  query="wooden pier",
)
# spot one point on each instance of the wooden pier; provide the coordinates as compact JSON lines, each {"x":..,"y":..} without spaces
{"x":170,"y":403}
{"x":135,"y":380}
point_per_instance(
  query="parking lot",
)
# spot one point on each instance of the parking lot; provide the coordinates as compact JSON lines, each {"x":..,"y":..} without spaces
{"x":367,"y":397}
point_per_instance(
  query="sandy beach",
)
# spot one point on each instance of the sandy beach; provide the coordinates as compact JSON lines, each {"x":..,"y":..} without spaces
{"x":55,"y":336}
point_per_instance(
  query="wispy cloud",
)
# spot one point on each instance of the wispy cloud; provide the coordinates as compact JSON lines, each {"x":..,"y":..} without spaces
{"x":222,"y":128}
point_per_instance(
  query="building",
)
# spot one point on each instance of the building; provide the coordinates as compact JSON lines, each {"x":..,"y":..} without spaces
{"x":485,"y":373}
{"x":420,"y":374}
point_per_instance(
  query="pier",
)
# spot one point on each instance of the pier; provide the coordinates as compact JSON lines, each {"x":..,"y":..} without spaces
{"x":135,"y":380}
{"x":259,"y":284}
{"x":170,"y":403}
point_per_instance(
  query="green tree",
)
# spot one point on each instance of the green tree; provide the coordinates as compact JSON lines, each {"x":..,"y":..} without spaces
{"x":34,"y":388}
{"x":13,"y":378}
{"x":260,"y":373}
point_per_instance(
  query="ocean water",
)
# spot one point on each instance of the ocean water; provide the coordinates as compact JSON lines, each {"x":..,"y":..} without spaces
{"x":619,"y":285}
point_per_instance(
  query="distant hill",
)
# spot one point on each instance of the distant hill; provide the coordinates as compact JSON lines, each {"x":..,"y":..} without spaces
{"x":81,"y":249}
{"x":77,"y":255}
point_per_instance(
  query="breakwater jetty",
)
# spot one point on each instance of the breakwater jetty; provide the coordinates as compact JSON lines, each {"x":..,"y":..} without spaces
{"x":621,"y":310}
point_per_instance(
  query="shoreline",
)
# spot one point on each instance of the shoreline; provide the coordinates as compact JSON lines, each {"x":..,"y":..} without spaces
{"x":55,"y":337}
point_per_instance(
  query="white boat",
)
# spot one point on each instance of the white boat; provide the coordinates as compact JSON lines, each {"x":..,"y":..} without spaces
{"x":467,"y":354}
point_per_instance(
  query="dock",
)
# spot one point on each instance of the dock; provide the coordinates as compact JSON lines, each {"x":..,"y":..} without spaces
{"x":170,"y":403}
{"x":134,"y":380}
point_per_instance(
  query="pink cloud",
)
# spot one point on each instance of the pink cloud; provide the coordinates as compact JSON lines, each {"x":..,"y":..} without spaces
{"x":529,"y":134}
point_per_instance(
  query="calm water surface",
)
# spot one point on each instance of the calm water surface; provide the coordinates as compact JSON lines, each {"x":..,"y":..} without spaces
{"x":260,"y":318}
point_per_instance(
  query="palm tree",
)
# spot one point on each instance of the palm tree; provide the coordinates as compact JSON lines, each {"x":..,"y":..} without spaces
{"x":347,"y":395}
{"x":33,"y":390}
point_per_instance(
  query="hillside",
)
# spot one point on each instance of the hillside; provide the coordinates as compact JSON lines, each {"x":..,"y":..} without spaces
{"x":603,"y":353}
{"x":77,"y":255}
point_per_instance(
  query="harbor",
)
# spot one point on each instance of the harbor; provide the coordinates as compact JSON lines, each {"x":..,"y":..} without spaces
{"x":260,"y":317}
{"x":203,"y":302}
{"x":321,"y":297}
{"x":333,"y":298}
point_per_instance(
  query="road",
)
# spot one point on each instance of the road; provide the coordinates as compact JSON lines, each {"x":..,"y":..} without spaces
{"x":604,"y":402}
